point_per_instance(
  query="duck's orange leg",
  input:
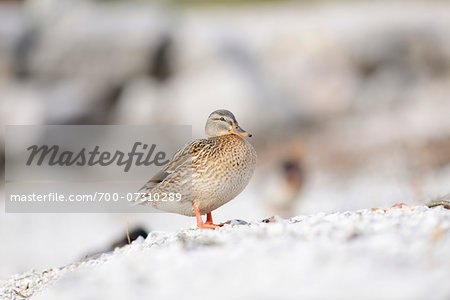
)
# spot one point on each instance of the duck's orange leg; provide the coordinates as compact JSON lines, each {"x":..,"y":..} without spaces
{"x":200,"y":223}
{"x":209,"y":218}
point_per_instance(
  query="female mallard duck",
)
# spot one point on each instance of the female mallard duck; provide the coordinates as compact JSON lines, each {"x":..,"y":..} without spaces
{"x":207,"y":173}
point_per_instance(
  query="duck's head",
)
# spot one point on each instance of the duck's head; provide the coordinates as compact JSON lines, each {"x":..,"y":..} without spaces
{"x":223,"y":122}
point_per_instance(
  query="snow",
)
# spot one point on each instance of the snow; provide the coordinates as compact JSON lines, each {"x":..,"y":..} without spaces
{"x":396,"y":253}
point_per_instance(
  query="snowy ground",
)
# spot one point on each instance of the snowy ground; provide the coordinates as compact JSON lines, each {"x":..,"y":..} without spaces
{"x":397,"y":253}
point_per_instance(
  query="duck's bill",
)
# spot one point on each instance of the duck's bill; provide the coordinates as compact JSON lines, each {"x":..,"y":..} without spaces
{"x":237,"y":130}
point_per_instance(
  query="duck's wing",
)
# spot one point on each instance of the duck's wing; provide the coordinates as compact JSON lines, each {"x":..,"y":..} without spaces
{"x":180,"y":159}
{"x":177,"y":175}
{"x":170,"y":174}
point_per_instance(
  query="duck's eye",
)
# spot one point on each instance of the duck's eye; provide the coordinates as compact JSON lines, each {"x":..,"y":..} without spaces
{"x":222,"y":119}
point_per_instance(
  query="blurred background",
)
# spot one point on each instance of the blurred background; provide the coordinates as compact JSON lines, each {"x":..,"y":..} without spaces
{"x":348,"y":101}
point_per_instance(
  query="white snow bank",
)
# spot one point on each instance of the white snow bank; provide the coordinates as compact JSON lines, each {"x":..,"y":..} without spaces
{"x":400,"y":253}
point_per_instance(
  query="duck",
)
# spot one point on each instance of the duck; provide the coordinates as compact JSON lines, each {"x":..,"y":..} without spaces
{"x":206,"y":173}
{"x":281,"y":194}
{"x":284,"y":180}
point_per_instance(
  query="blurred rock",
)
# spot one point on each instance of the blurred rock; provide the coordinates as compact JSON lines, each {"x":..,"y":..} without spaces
{"x":108,"y":41}
{"x":140,"y":103}
{"x":13,"y":28}
{"x":80,"y":101}
{"x":402,"y":58}
{"x":120,"y":241}
{"x":22,"y":103}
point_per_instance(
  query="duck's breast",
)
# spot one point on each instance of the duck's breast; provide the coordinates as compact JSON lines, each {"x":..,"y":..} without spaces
{"x":228,"y":171}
